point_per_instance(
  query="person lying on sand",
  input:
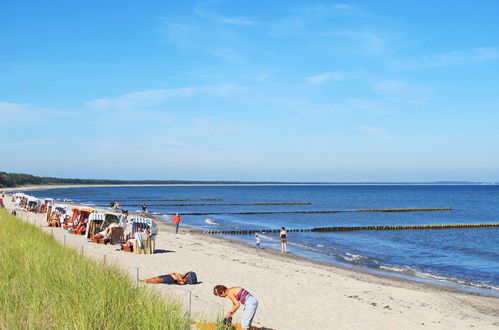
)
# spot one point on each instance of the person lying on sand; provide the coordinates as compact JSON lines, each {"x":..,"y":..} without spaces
{"x":239,"y":296}
{"x":172,"y":278}
{"x":105,"y":234}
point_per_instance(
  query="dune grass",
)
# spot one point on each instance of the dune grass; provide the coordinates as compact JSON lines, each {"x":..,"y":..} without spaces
{"x":46,"y":286}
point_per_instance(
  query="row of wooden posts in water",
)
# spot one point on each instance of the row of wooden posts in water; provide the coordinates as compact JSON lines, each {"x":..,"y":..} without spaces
{"x":336,"y":229}
{"x":219,"y":204}
{"x":319,"y":211}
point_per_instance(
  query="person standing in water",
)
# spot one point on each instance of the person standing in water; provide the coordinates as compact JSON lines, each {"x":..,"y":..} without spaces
{"x":176,"y":221}
{"x":238,"y":296}
{"x":284,"y":235}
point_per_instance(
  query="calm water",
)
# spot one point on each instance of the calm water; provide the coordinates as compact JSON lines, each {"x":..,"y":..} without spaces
{"x":466,"y":256}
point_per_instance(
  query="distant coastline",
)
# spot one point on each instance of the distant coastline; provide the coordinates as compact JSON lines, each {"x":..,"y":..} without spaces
{"x":27,"y":181}
{"x":55,"y":186}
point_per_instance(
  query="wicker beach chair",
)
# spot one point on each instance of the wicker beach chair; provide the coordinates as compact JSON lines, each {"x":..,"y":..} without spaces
{"x":147,"y":247}
{"x":117,"y":235}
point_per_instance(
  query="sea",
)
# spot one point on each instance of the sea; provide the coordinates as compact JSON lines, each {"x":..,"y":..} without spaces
{"x":464,"y":258}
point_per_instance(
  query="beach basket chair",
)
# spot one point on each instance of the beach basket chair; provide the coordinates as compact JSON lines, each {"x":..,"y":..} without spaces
{"x":117,"y":235}
{"x":147,"y":247}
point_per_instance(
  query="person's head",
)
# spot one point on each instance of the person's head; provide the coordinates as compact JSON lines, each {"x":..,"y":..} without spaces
{"x":220,"y":290}
{"x":176,"y":214}
{"x":283,"y":228}
{"x":139,"y":229}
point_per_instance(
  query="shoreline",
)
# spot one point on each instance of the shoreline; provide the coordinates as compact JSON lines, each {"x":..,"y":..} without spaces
{"x":390,"y":274}
{"x":294,"y":292}
{"x":386,"y":274}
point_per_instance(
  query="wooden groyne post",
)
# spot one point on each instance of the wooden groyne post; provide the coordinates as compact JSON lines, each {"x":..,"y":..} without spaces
{"x":347,"y":228}
{"x":320,"y":211}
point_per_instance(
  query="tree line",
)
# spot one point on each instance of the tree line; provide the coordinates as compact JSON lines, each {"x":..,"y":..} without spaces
{"x":9,"y":180}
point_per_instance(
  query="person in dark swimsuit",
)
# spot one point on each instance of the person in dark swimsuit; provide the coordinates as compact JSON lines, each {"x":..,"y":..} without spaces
{"x":172,"y":278}
{"x":284,"y":235}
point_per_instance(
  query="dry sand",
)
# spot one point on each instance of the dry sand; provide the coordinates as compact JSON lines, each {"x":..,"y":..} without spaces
{"x":293,"y":293}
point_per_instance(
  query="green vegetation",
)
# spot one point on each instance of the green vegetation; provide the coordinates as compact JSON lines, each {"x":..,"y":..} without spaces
{"x":46,"y":286}
{"x":8,"y":180}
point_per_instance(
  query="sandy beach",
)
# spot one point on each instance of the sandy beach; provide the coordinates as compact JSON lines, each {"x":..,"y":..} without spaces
{"x":293,"y":293}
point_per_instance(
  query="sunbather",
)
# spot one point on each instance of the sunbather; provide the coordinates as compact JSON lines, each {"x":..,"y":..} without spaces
{"x":82,"y":226}
{"x":138,"y":236}
{"x":172,"y":278}
{"x":105,"y":234}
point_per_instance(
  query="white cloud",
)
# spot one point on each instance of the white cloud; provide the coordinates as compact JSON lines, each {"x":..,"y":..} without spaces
{"x":401,"y":90}
{"x":368,"y":41}
{"x":158,"y":96}
{"x":8,"y":109}
{"x":336,"y":9}
{"x":15,"y":112}
{"x":218,"y":18}
{"x":375,"y":132}
{"x":140,"y":99}
{"x":459,"y":57}
{"x":325,"y":77}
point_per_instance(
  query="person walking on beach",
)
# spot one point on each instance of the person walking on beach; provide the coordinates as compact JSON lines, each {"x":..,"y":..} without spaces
{"x":238,"y":296}
{"x":144,"y":209}
{"x":283,"y":235}
{"x":257,"y":241}
{"x":176,"y":221}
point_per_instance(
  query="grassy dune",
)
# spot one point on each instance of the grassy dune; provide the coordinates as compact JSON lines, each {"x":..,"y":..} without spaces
{"x":46,"y":286}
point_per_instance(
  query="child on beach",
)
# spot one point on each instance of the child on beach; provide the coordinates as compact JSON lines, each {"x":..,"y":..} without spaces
{"x":239,"y":296}
{"x":257,"y":240}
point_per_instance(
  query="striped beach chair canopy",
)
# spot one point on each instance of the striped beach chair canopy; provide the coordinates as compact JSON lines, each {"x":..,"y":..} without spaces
{"x":96,"y":216}
{"x":32,"y":199}
{"x":60,"y":208}
{"x":144,"y":223}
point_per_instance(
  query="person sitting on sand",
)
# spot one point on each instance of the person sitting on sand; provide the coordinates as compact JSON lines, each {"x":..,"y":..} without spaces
{"x":239,"y":296}
{"x":172,"y":278}
{"x":82,"y":226}
{"x":54,"y":219}
{"x":138,"y":236}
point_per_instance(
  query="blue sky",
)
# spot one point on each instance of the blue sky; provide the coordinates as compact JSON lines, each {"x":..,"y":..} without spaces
{"x":250,"y":90}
